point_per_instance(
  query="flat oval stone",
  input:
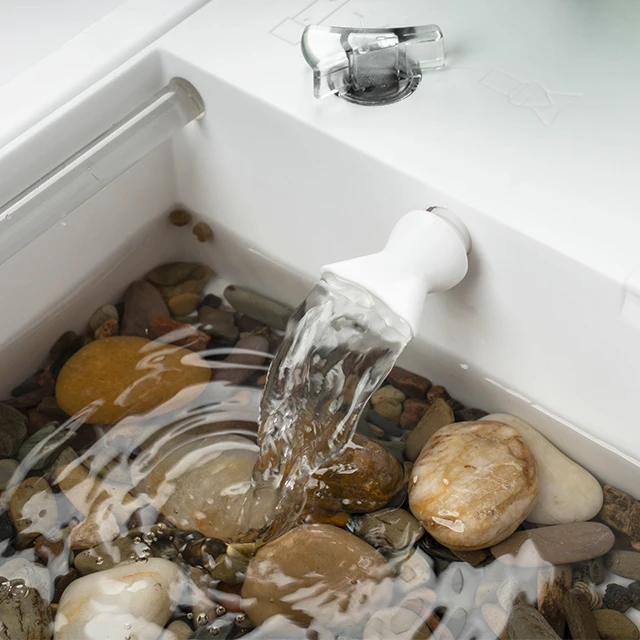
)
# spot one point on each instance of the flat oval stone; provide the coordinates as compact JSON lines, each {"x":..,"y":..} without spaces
{"x":317,"y":572}
{"x":126,"y":375}
{"x":8,"y":468}
{"x":558,"y":544}
{"x":363,"y":478}
{"x":473,"y":484}
{"x":567,"y":492}
{"x":258,"y":307}
{"x":33,"y":507}
{"x":613,"y":625}
{"x":133,"y":600}
{"x":13,"y":430}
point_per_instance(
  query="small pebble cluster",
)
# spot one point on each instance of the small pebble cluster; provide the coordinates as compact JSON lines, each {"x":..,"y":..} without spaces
{"x":124,"y":476}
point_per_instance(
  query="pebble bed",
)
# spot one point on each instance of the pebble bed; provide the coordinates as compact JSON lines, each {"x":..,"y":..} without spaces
{"x":125,"y":462}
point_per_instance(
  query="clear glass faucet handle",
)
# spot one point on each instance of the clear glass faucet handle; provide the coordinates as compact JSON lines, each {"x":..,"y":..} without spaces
{"x":371,"y":66}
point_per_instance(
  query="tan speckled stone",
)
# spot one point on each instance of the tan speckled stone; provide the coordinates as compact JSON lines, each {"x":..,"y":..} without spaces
{"x":473,"y":484}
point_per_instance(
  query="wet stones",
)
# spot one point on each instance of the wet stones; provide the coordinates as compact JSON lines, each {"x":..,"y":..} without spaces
{"x":183,"y":304}
{"x":142,"y":303}
{"x":613,"y":625}
{"x":99,"y":526}
{"x":176,"y":278}
{"x":363,"y":478}
{"x":624,"y":563}
{"x":438,"y":415}
{"x":101,"y":375}
{"x":526,"y":623}
{"x":32,"y":508}
{"x":24,"y":614}
{"x":170,"y":331}
{"x":217,"y":323}
{"x":133,"y":599}
{"x":621,"y":512}
{"x":13,"y":430}
{"x":567,"y":492}
{"x":238,"y":367}
{"x":473,"y":484}
{"x":580,"y":620}
{"x":105,"y":313}
{"x":388,"y":529}
{"x":396,"y":623}
{"x":558,"y":544}
{"x":312,"y":556}
{"x":553,"y":584}
{"x":258,"y":307}
{"x":411,"y":384}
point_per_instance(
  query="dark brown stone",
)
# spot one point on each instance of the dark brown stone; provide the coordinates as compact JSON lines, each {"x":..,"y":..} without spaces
{"x":621,"y":512}
{"x":470,"y":415}
{"x":243,"y":364}
{"x":203,"y":232}
{"x":557,"y":544}
{"x":363,"y":478}
{"x":437,"y":391}
{"x":553,"y":584}
{"x":412,"y":412}
{"x":36,"y":421}
{"x":142,"y":303}
{"x":411,"y":384}
{"x":620,"y":598}
{"x":180,"y":217}
{"x":218,"y":324}
{"x":580,"y":620}
{"x":526,"y":623}
{"x":182,"y":335}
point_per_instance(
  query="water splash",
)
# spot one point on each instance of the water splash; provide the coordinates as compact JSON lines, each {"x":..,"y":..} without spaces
{"x":339,"y":347}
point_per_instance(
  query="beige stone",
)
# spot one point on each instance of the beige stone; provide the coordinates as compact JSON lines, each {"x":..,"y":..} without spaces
{"x":473,"y":484}
{"x":32,"y":508}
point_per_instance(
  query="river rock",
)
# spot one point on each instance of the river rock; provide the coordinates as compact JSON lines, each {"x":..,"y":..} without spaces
{"x":363,"y":478}
{"x":332,"y":577}
{"x":203,"y":484}
{"x":203,"y":232}
{"x":8,"y":468}
{"x":126,"y":375}
{"x":438,"y":415}
{"x":396,"y":623}
{"x":33,"y":508}
{"x":25,"y":617}
{"x":103,"y":314}
{"x":183,"y":304}
{"x":99,"y":526}
{"x":412,"y":413}
{"x":107,"y":555}
{"x":177,"y":278}
{"x":134,"y":600}
{"x":558,"y":544}
{"x":217,"y":323}
{"x":34,"y":575}
{"x":170,"y":331}
{"x":258,"y":307}
{"x":142,"y":303}
{"x":613,"y":625}
{"x":388,"y":529}
{"x":625,"y":563}
{"x":178,"y":630}
{"x":526,"y":623}
{"x":414,"y":572}
{"x":39,"y":450}
{"x":621,"y":512}
{"x":243,"y":365}
{"x":411,"y":384}
{"x":13,"y":430}
{"x":390,"y":410}
{"x":567,"y":492}
{"x":580,"y":620}
{"x":387,"y":393}
{"x":620,"y":598}
{"x":473,"y":484}
{"x":180,"y":217}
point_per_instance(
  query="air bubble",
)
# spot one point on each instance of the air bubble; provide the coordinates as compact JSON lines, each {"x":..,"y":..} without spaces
{"x":99,"y":560}
{"x":220,"y":610}
{"x":127,"y":626}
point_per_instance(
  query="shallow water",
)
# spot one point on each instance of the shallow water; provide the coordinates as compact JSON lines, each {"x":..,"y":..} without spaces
{"x":217,"y":467}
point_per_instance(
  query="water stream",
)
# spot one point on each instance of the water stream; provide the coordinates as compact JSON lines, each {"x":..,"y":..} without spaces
{"x":339,"y":347}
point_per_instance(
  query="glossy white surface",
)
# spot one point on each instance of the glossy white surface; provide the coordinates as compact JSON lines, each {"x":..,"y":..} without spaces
{"x":544,"y":325}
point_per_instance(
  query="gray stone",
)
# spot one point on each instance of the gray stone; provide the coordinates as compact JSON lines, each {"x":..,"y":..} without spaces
{"x":13,"y":430}
{"x":243,"y":365}
{"x":526,"y":623}
{"x":42,"y":448}
{"x":101,"y":315}
{"x":7,"y":469}
{"x":24,"y":615}
{"x":218,"y":324}
{"x":258,"y":307}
